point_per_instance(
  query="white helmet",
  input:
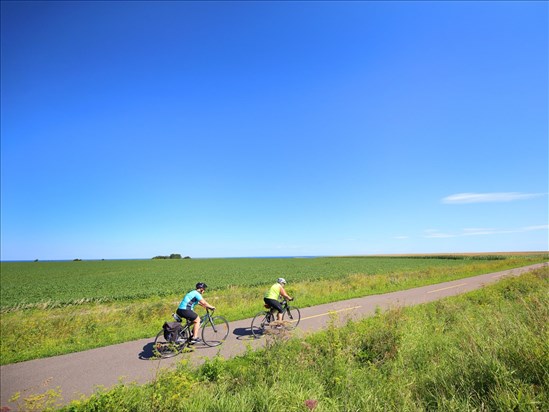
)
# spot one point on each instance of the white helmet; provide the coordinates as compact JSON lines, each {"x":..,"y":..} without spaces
{"x":281,"y":280}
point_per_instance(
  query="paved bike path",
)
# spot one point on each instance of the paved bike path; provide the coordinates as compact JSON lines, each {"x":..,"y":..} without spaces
{"x":80,"y":374}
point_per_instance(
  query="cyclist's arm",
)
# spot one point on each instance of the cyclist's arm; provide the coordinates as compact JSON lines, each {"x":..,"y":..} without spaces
{"x":284,"y":294}
{"x":205,"y":304}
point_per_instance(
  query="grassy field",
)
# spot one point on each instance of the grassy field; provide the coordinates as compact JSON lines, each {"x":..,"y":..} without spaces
{"x":73,"y":306}
{"x":487,"y":350}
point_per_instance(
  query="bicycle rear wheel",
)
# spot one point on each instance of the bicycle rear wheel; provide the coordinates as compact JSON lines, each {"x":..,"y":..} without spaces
{"x":292,"y":316}
{"x":259,"y":323}
{"x":215,"y":331}
{"x":165,"y":349}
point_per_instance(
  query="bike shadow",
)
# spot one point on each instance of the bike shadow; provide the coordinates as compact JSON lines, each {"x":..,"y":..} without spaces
{"x":243,"y":333}
{"x":147,"y":352}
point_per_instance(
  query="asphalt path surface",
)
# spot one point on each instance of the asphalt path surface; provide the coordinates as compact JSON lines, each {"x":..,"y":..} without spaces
{"x":81,"y":374}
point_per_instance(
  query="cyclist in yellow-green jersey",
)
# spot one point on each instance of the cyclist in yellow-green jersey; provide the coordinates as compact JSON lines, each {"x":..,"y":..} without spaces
{"x":273,"y":294}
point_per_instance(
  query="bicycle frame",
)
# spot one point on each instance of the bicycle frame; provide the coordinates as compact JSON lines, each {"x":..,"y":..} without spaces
{"x":207,"y":318}
{"x":205,"y":321}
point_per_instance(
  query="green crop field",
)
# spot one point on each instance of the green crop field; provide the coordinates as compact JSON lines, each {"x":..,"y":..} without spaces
{"x":50,"y":284}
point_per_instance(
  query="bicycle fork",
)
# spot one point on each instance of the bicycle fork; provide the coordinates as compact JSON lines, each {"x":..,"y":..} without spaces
{"x":213,"y":325}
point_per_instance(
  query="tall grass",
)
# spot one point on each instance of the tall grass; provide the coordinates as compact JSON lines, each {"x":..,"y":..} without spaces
{"x":484,"y":351}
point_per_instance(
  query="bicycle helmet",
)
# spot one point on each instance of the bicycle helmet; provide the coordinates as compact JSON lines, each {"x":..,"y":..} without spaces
{"x":201,"y":285}
{"x":281,"y":280}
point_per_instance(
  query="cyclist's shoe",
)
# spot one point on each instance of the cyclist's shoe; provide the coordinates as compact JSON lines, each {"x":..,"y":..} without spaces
{"x":195,"y":340}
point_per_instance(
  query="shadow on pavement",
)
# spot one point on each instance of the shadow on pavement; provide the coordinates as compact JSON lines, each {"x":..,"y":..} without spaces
{"x":147,"y":352}
{"x":243,"y":333}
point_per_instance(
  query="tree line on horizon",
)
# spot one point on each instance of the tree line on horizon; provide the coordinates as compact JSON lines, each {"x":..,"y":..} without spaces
{"x":172,"y":256}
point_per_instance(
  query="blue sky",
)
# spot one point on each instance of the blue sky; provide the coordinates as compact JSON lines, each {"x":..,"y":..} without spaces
{"x":223,"y":129}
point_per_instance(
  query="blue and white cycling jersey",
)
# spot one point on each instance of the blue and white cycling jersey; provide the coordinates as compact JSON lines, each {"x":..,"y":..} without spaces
{"x":190,"y":300}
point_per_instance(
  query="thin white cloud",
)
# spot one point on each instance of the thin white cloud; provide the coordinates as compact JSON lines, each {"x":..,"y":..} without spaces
{"x":538,"y":227}
{"x":461,"y":198}
{"x":434,"y":233}
{"x":479,"y":231}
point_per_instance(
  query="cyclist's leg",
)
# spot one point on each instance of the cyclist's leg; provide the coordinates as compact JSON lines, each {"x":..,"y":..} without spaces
{"x":192,"y":317}
{"x":275,"y":304}
{"x":196,"y":327}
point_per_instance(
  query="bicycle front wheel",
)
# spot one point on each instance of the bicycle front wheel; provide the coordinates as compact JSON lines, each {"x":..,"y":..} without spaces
{"x":165,"y":349}
{"x":292,"y":316}
{"x":215,"y":331}
{"x":259,"y":324}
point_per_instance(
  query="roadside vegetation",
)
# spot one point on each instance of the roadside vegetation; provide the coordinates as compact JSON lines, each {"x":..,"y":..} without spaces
{"x":54,"y":306}
{"x":487,"y":350}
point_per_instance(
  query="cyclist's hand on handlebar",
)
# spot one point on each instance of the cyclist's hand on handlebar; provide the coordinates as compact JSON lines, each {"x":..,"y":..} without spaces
{"x":290,"y":299}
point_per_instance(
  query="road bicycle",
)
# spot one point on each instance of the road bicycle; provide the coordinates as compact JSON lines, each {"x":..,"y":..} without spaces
{"x":266,"y":319}
{"x":214,"y":331}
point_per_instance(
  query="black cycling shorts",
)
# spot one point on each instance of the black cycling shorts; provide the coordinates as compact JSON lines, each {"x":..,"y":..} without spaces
{"x":187,"y":314}
{"x":273,"y":303}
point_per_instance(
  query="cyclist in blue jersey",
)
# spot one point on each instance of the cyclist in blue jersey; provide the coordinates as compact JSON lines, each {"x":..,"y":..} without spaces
{"x":185,"y":309}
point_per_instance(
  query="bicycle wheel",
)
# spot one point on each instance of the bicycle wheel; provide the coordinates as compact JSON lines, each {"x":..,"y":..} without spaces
{"x":259,"y":323}
{"x":292,"y":316}
{"x":164,"y":349}
{"x":215,"y":331}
